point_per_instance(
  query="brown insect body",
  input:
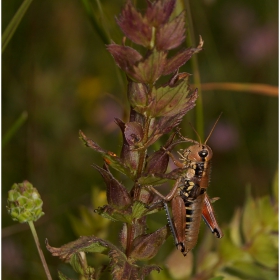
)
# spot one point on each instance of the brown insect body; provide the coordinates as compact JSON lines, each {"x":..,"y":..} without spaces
{"x":189,"y":201}
{"x":192,"y":187}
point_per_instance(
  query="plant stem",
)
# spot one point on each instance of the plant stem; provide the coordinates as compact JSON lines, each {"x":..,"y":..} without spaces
{"x":196,"y":74}
{"x":129,"y":239}
{"x":13,"y":24}
{"x":35,"y":236}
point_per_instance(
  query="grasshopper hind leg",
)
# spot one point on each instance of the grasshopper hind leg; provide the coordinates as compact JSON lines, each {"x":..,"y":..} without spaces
{"x":170,"y":223}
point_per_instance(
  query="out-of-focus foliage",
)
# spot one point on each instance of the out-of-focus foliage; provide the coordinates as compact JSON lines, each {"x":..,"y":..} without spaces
{"x":57,"y":69}
{"x":87,"y":222}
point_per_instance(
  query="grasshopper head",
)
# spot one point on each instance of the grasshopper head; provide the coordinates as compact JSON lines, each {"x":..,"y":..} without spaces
{"x":198,"y":153}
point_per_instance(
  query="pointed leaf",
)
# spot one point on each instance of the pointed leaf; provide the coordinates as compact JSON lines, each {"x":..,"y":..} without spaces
{"x":88,"y":244}
{"x":250,"y":220}
{"x":125,"y":57}
{"x":91,"y":144}
{"x":169,"y":101}
{"x":117,"y":195}
{"x":235,"y":228}
{"x":163,"y":125}
{"x":134,"y":26}
{"x":158,"y":12}
{"x":157,"y":162}
{"x":172,"y":34}
{"x":268,"y":214}
{"x":149,"y":69}
{"x":180,"y":59}
{"x":138,"y":209}
{"x":109,"y":157}
{"x":147,"y":246}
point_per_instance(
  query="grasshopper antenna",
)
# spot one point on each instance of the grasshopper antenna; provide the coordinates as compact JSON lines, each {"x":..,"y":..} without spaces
{"x":212,"y":129}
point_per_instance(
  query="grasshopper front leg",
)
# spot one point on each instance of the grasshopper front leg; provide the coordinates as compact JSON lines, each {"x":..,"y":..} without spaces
{"x":177,"y":224}
{"x":169,"y":196}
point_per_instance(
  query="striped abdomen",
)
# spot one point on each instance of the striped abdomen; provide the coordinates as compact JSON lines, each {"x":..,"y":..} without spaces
{"x":193,"y":219}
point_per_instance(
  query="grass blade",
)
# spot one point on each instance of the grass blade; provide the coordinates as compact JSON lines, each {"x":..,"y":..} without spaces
{"x":12,"y":131}
{"x":12,"y":26}
{"x":99,"y":28}
{"x":262,"y":89}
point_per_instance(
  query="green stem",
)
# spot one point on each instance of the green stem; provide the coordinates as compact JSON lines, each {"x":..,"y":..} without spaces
{"x":35,"y":236}
{"x":12,"y":26}
{"x":196,"y":73}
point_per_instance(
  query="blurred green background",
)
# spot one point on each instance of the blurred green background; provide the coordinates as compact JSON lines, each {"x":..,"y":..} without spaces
{"x":56,"y":69}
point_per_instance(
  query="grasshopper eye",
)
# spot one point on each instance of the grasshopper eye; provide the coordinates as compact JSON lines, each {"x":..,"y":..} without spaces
{"x":203,"y":153}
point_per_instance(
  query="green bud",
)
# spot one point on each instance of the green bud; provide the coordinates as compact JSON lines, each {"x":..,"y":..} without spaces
{"x":24,"y":203}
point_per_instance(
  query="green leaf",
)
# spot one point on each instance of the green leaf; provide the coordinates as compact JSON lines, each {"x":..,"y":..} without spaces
{"x":249,"y":270}
{"x":217,"y":278}
{"x":228,"y":251}
{"x":138,"y":209}
{"x":61,"y":276}
{"x":12,"y":26}
{"x":251,"y":219}
{"x":75,"y":262}
{"x":235,"y":230}
{"x":264,"y":251}
{"x":150,"y":69}
{"x":169,"y":100}
{"x":268,"y":214}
